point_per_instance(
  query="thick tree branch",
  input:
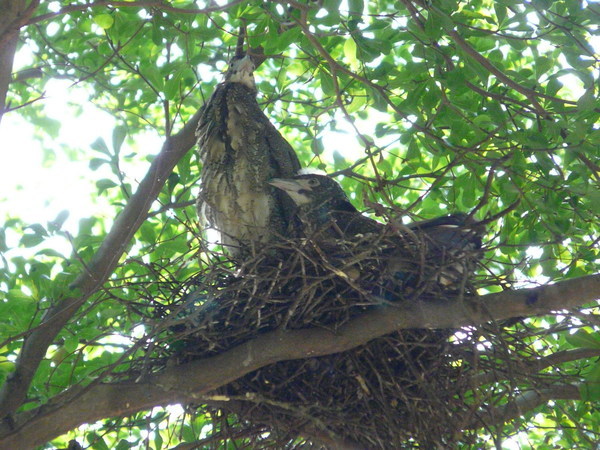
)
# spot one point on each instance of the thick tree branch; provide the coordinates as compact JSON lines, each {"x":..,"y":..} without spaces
{"x":12,"y":12}
{"x":14,"y":391}
{"x":190,"y":381}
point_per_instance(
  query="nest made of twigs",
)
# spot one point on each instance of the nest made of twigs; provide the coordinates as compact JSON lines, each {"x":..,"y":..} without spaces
{"x":401,"y":390}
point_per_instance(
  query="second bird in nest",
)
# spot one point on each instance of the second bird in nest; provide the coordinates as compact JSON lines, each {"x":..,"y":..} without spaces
{"x":448,"y":245}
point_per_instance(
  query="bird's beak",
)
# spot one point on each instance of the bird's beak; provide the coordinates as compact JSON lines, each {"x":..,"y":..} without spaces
{"x":286,"y":185}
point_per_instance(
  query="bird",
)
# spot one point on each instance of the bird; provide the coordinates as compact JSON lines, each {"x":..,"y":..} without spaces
{"x":240,"y":150}
{"x":324,"y":208}
{"x":446,"y":245}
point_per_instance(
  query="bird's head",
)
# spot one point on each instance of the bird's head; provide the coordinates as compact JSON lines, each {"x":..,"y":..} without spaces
{"x":241,"y":70}
{"x":311,"y":191}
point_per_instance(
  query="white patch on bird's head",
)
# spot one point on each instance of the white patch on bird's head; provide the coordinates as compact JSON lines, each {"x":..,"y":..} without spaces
{"x":241,"y":71}
{"x":311,"y":171}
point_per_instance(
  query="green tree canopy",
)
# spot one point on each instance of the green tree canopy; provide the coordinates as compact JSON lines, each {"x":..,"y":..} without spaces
{"x":418,"y":108}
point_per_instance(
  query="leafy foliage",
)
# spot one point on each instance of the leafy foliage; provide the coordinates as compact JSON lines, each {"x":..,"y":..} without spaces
{"x":423,"y":107}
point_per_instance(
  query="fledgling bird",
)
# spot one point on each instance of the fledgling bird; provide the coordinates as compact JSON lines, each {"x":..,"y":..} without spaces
{"x":324,"y":208}
{"x":447,"y":245}
{"x":241,"y":150}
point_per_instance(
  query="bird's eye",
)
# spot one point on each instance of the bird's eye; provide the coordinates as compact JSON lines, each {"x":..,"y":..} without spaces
{"x":312,"y":182}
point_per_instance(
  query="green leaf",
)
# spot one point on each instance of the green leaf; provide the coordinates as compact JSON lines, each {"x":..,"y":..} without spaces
{"x":158,"y":441}
{"x":553,"y":86}
{"x":97,"y":442}
{"x":587,"y":101}
{"x":97,"y":162}
{"x":284,"y":41}
{"x":58,"y":222}
{"x":49,"y":125}
{"x":104,"y":21}
{"x":50,"y":252}
{"x":317,"y":146}
{"x":153,"y":75}
{"x":71,"y":343}
{"x":590,"y":392}
{"x":172,"y":88}
{"x":172,"y":181}
{"x":105,"y":184}
{"x":124,"y":445}
{"x":500,"y":11}
{"x":148,"y":232}
{"x":356,"y":7}
{"x":378,"y":101}
{"x":31,"y":240}
{"x":350,"y":52}
{"x":433,"y":28}
{"x":542,"y":65}
{"x":17,"y":294}
{"x":584,"y":339}
{"x":118,"y":136}
{"x":188,"y":434}
{"x":100,"y":146}
{"x":326,"y":82}
{"x":413,"y":152}
{"x":37,"y":228}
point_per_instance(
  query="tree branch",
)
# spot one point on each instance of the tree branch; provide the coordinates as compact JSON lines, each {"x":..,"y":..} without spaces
{"x":189,"y":382}
{"x":14,"y":391}
{"x":9,"y":36}
{"x":524,"y":403}
{"x":535,"y":366}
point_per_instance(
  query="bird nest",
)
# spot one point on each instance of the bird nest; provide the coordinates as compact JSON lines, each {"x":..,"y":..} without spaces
{"x":404,"y":389}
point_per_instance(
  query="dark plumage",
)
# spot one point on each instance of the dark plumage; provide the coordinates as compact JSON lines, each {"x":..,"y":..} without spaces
{"x":241,"y":150}
{"x":448,"y":245}
{"x":324,"y":208}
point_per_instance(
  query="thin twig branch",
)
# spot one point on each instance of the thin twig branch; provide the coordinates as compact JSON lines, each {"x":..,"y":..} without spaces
{"x":524,"y":403}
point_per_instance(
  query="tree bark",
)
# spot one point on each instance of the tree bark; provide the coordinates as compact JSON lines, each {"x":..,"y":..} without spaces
{"x":9,"y":36}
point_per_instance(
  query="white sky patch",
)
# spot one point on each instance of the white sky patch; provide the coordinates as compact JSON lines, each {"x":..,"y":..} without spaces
{"x":40,"y":177}
{"x":52,"y":28}
{"x":534,"y":252}
{"x":345,"y":141}
{"x":37,"y":190}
